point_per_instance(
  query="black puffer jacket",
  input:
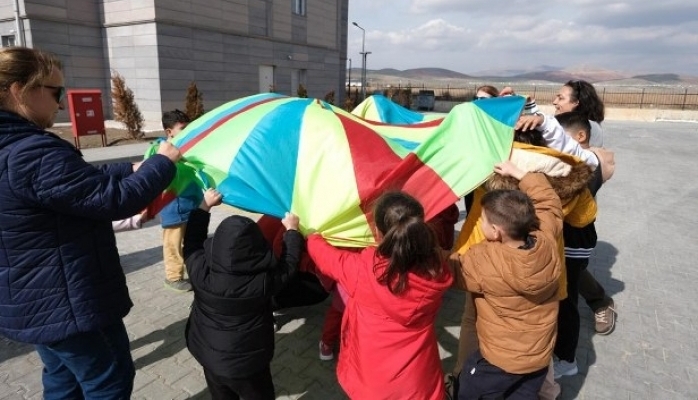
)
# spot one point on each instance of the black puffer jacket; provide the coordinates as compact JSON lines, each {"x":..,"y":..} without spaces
{"x":234,"y":274}
{"x":59,"y":266}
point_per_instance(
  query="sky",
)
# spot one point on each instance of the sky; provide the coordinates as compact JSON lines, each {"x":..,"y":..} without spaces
{"x":468,"y":36}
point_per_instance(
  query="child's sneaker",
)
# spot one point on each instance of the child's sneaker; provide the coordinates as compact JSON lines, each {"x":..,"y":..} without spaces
{"x":326,"y":352}
{"x":565,"y":368}
{"x":180,"y":285}
{"x":605,"y":319}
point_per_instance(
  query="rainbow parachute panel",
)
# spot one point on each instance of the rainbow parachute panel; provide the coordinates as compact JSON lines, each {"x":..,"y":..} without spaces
{"x":271,"y":154}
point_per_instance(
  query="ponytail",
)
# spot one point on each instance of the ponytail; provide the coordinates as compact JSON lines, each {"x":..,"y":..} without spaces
{"x":408,"y":242}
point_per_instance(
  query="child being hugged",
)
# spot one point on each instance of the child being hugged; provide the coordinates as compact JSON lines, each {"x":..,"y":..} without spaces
{"x":388,"y":344}
{"x":513,"y":276}
{"x":234,"y":275}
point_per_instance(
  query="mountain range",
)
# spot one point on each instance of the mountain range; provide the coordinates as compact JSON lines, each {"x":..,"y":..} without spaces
{"x":543,"y":74}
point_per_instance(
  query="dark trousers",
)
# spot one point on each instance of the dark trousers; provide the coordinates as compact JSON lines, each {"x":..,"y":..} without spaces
{"x":568,"y":315}
{"x":302,"y":290}
{"x":480,"y":380}
{"x":592,"y":291}
{"x":90,"y":365}
{"x":256,"y":387}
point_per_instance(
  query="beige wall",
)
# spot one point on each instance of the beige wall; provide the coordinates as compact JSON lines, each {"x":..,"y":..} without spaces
{"x":215,"y":15}
{"x":160,"y":46}
{"x":127,"y":11}
{"x":322,"y":17}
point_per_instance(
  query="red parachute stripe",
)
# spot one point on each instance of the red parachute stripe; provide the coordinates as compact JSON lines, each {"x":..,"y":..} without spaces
{"x":201,"y":136}
{"x":160,"y":202}
{"x":427,"y":186}
{"x":378,"y":169}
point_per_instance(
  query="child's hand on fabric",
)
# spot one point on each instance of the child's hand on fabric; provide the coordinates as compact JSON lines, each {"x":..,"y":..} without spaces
{"x":508,"y":168}
{"x":529,"y":122}
{"x":507,"y":91}
{"x":168,"y":150}
{"x":290,"y":221}
{"x":212,"y":198}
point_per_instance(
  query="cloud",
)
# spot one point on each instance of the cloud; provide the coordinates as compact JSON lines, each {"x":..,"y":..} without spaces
{"x":640,"y":14}
{"x":492,"y":7}
{"x":470,"y":35}
{"x":434,"y":35}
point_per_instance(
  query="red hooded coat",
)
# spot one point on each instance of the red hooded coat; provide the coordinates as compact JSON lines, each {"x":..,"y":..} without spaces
{"x":388,"y":342}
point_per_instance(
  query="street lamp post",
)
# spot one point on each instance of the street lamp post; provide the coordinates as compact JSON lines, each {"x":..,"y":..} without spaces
{"x":363,"y":60}
{"x":366,"y":53}
{"x":349,"y":84}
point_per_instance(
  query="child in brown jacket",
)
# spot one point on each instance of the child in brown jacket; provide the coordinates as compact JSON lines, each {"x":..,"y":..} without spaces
{"x":513,"y":276}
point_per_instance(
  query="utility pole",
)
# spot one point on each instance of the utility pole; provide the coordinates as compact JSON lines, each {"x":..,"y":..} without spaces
{"x":349,"y":83}
{"x":363,"y":61}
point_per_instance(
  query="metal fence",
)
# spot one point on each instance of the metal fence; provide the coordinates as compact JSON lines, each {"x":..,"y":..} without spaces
{"x":660,"y":97}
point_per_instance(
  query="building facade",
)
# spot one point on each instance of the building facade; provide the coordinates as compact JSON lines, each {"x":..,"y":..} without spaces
{"x":230,"y":48}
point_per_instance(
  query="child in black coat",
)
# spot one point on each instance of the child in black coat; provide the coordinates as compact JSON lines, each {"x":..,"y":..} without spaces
{"x":230,"y":330}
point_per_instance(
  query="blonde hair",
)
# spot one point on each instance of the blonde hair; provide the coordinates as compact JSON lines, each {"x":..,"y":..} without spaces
{"x":25,"y":66}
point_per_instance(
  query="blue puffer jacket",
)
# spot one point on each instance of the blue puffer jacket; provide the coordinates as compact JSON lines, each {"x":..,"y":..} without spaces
{"x":59,"y":266}
{"x":177,"y":211}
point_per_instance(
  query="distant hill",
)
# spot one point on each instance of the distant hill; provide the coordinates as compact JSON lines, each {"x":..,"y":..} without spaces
{"x":537,"y":75}
{"x":586,"y":73}
{"x":660,"y":78}
{"x":420,"y":73}
{"x":507,"y":73}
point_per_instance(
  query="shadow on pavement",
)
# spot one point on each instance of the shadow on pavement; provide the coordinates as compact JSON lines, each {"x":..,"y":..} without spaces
{"x":10,"y":349}
{"x":172,"y":338}
{"x":141,"y":259}
{"x":600,"y":265}
{"x":202,"y":395}
{"x":450,"y":315}
{"x":296,"y":367}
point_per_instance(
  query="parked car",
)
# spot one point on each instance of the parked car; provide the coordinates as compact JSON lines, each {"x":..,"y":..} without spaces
{"x":426,"y":100}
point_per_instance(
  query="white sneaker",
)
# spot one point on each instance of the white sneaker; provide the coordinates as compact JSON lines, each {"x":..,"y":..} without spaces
{"x":565,"y":368}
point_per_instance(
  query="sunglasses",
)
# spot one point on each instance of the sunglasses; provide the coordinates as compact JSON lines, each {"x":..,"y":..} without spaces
{"x":481,"y":97}
{"x":59,"y":94}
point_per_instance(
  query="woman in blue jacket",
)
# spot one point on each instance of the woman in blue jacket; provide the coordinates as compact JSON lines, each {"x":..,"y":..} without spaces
{"x":62,"y":287}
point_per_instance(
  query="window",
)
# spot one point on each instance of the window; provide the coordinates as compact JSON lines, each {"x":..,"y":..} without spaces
{"x":8,"y":41}
{"x":299,"y":7}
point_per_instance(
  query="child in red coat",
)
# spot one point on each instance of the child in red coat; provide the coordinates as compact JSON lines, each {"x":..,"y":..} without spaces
{"x":388,"y":341}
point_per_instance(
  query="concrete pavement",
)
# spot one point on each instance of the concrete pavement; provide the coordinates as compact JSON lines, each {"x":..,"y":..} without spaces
{"x":648,"y":241}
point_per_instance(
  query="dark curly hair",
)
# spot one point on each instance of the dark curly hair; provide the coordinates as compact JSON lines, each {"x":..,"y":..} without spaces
{"x":589,"y":103}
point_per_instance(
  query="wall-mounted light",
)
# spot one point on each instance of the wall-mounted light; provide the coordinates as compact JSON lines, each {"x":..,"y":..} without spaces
{"x":290,"y":57}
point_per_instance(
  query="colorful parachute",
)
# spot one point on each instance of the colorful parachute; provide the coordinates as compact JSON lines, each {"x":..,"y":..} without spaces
{"x":270,"y":154}
{"x":381,"y":109}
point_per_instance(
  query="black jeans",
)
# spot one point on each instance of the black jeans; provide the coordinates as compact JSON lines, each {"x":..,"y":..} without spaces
{"x":256,"y":387}
{"x":302,"y":290}
{"x":592,"y":291}
{"x":568,"y":316}
{"x":481,"y":380}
